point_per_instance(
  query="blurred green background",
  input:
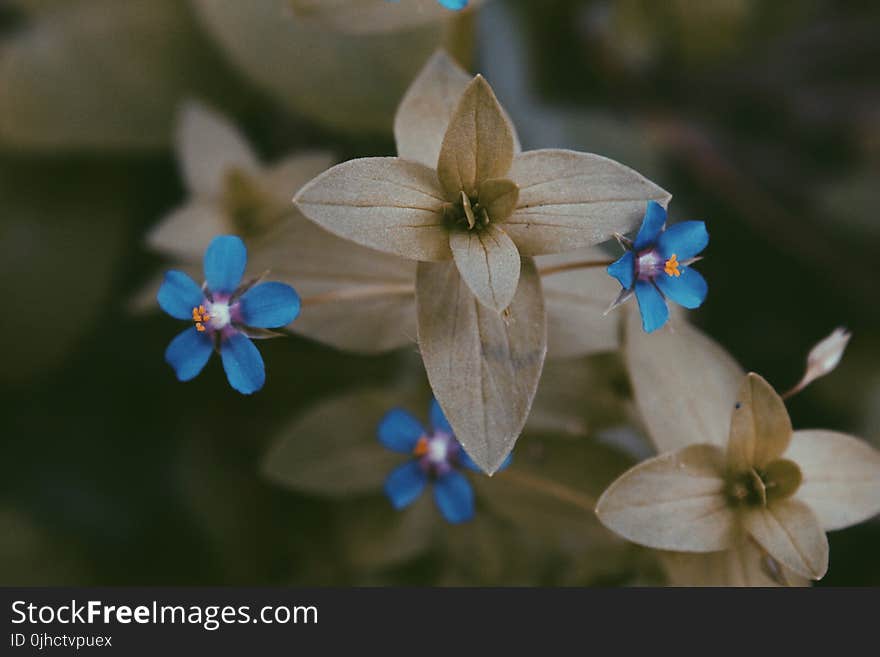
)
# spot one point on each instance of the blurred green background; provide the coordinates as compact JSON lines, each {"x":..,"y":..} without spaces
{"x":762,"y":118}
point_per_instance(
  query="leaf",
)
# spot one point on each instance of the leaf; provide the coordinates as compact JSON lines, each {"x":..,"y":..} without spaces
{"x":102,"y":75}
{"x":354,"y":298}
{"x":483,"y":367}
{"x":841,"y":477}
{"x":424,"y":113}
{"x":760,"y":428}
{"x":383,"y":203}
{"x":743,"y":565}
{"x":368,"y":16}
{"x":489,"y":263}
{"x":373,"y":535}
{"x":675,"y":501}
{"x":791,"y":534}
{"x":333,"y":450}
{"x":478,"y":144}
{"x":349,"y":82}
{"x":208,"y":147}
{"x":576,"y":303}
{"x":570,"y":200}
{"x":685,"y":383}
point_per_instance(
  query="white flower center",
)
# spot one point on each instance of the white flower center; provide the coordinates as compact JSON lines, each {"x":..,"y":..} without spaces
{"x":220,"y":316}
{"x":437,"y":450}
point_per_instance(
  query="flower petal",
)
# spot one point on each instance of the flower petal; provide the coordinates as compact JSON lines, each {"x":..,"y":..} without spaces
{"x":454,"y":5}
{"x":483,"y":367}
{"x":841,"y":477}
{"x":652,"y":306}
{"x":760,"y":429}
{"x":467,"y":462}
{"x":269,"y":305}
{"x":570,"y":200}
{"x":438,"y":419}
{"x":675,"y":501}
{"x":188,"y":353}
{"x":688,"y":290}
{"x":685,"y":384}
{"x":499,"y":196}
{"x":686,"y":240}
{"x":652,"y":224}
{"x":399,"y":431}
{"x":243,"y":364}
{"x":478,"y":144}
{"x":489,"y":263}
{"x":624,"y":270}
{"x":405,"y":483}
{"x":424,"y":113}
{"x":187,"y":231}
{"x":225,"y":262}
{"x":746,"y":564}
{"x":792,"y":535}
{"x":384,"y":203}
{"x":454,"y":497}
{"x":208,"y":147}
{"x":179,"y":294}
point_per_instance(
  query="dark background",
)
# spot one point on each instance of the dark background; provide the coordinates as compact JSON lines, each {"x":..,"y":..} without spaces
{"x":761,"y":117}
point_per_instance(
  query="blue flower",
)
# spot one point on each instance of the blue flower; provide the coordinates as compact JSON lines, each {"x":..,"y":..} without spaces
{"x":454,"y":5}
{"x":437,"y":457}
{"x":224,"y":313}
{"x":656,"y":266}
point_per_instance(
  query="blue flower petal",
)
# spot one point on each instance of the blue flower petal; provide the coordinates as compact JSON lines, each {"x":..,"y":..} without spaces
{"x":269,"y":305}
{"x":688,"y":290}
{"x":454,"y":497}
{"x":455,"y":5}
{"x":652,"y":306}
{"x":399,"y":431}
{"x":188,"y":353}
{"x":438,"y":419}
{"x":652,"y":224}
{"x":179,"y":294}
{"x":467,"y":462}
{"x":686,"y":240}
{"x":624,"y":270}
{"x":225,"y":261}
{"x":405,"y":483}
{"x":243,"y":364}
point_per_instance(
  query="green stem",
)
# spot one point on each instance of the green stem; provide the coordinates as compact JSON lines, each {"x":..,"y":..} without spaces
{"x":551,"y":489}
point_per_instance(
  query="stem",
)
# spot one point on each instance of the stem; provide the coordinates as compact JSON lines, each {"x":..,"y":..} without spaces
{"x":361,"y":292}
{"x":551,"y":489}
{"x":583,"y":264}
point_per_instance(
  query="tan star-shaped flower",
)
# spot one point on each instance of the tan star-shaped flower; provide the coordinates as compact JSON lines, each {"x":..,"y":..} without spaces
{"x":461,"y":189}
{"x":769,"y":488}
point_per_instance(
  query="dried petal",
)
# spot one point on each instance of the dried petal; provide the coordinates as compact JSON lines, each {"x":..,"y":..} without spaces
{"x":483,"y":367}
{"x":746,"y":564}
{"x":760,"y":428}
{"x":478,"y":144}
{"x":841,"y":477}
{"x":187,"y":231}
{"x":685,"y":383}
{"x":675,"y":501}
{"x":424,"y":113}
{"x":791,"y":534}
{"x":823,"y":358}
{"x":383,"y":203}
{"x":208,"y":147}
{"x":489,"y":263}
{"x":570,"y":200}
{"x":499,"y":196}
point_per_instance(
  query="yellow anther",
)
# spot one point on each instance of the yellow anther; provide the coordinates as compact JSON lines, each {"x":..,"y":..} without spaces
{"x":206,"y":317}
{"x":672,"y":266}
{"x":421,"y":447}
{"x":200,"y":327}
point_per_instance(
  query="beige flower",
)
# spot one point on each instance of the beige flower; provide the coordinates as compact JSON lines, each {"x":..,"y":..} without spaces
{"x":756,"y":503}
{"x":472,"y":209}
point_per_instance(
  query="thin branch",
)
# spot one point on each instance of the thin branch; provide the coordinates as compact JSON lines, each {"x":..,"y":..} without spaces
{"x":551,"y":489}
